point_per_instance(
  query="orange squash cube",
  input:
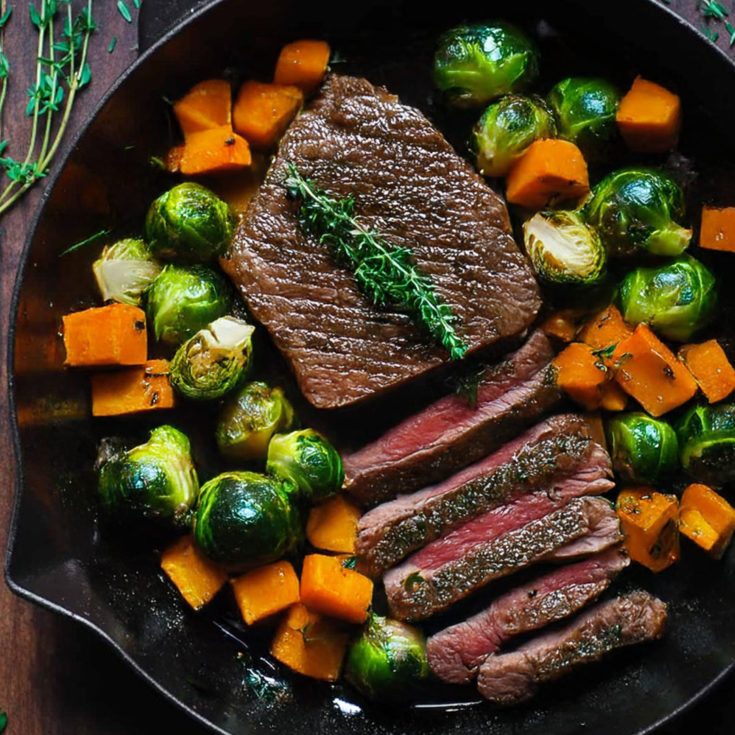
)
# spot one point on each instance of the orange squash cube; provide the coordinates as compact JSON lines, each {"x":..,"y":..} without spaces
{"x":144,"y":388}
{"x":266,"y":590}
{"x":332,"y":526}
{"x":206,"y":105}
{"x":717,"y":229}
{"x":581,"y":374}
{"x":262,"y":112}
{"x":213,"y":151}
{"x":605,"y":329}
{"x":302,"y":64}
{"x":709,"y":365}
{"x":706,"y":518}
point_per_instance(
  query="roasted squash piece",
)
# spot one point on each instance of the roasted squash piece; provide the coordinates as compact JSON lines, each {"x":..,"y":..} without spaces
{"x":266,"y":590}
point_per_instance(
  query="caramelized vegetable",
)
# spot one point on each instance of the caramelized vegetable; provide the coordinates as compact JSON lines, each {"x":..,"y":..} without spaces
{"x":302,"y":64}
{"x":196,"y":577}
{"x":213,"y":151}
{"x":717,"y":230}
{"x":310,"y":644}
{"x":647,"y":370}
{"x":613,"y":397}
{"x":649,"y":520}
{"x":107,"y":335}
{"x":649,"y":117}
{"x":581,"y":374}
{"x":709,"y":365}
{"x":605,"y":329}
{"x":266,"y":590}
{"x":141,"y":388}
{"x":561,"y":324}
{"x":551,"y":172}
{"x":331,"y":589}
{"x":263,"y":111}
{"x":332,"y":526}
{"x":206,"y":105}
{"x":707,"y":519}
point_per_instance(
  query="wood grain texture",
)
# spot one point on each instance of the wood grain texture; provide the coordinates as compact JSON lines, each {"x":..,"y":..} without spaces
{"x":56,"y":678}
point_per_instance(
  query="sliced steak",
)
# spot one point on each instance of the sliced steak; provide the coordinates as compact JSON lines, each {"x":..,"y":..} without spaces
{"x":514,"y":677}
{"x":356,"y":140}
{"x":450,"y":434}
{"x":493,"y":545}
{"x":456,"y":652}
{"x":557,"y":450}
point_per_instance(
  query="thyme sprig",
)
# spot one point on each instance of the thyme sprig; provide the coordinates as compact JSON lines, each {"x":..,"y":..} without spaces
{"x":385,"y":273}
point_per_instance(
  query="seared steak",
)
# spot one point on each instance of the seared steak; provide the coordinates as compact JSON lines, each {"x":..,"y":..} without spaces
{"x":493,"y":545}
{"x":450,"y":434}
{"x":513,"y":677}
{"x":456,"y":652}
{"x":356,"y":140}
{"x":556,"y":450}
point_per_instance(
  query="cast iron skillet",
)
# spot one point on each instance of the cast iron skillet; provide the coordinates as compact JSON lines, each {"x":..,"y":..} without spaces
{"x":206,"y":663}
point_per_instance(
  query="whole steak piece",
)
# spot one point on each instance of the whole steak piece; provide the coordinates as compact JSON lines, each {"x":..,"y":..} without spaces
{"x":356,"y":140}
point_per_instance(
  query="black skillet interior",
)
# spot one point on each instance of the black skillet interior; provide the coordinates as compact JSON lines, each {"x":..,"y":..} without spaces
{"x":207,"y":662}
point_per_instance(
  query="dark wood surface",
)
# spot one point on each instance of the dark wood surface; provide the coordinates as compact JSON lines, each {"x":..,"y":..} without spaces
{"x":56,"y":678}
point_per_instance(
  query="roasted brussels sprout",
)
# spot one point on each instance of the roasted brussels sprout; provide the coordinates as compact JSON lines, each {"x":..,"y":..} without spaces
{"x":563,"y":249}
{"x":388,"y":659}
{"x":183,"y":300}
{"x":188,"y":223}
{"x":214,"y":361}
{"x":249,"y":420}
{"x":475,"y":64}
{"x":635,"y":209}
{"x":585,"y":111}
{"x":244,"y":519}
{"x":643,"y":449}
{"x":506,"y":129}
{"x":676,"y":299}
{"x":125,"y":270}
{"x":154,"y":481}
{"x":308,"y":461}
{"x":707,"y":442}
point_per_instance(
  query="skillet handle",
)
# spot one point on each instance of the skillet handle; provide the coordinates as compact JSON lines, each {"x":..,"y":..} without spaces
{"x":156,"y":18}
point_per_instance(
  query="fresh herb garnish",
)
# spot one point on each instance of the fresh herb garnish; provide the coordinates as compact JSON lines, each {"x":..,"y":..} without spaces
{"x":3,"y":722}
{"x":413,"y":581}
{"x":467,"y":385}
{"x":730,"y":28}
{"x":86,"y":241}
{"x":350,"y":562}
{"x":113,"y":43}
{"x":714,"y":9}
{"x":385,"y":273}
{"x":123,"y":9}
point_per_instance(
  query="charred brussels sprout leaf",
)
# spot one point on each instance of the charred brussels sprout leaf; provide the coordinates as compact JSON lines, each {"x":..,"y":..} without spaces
{"x":249,"y":420}
{"x":125,"y":270}
{"x":636,"y":210}
{"x":214,"y":361}
{"x":154,"y":481}
{"x":308,"y":461}
{"x":245,"y":519}
{"x":643,"y":449}
{"x":189,"y":223}
{"x":563,"y":249}
{"x":585,"y":114}
{"x":506,"y":129}
{"x":475,"y":64}
{"x":388,"y":659}
{"x":183,"y":300}
{"x":676,"y":299}
{"x":707,"y":442}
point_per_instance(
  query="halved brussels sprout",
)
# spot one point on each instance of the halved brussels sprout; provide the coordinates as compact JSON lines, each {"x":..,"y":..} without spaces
{"x":676,"y":299}
{"x":183,"y":300}
{"x":214,"y":361}
{"x":707,"y":442}
{"x":388,"y":659}
{"x":585,"y":110}
{"x":249,"y":420}
{"x":308,"y":461}
{"x":642,"y":449}
{"x":475,"y":64}
{"x":125,"y":270}
{"x":563,"y":249}
{"x":245,"y":519}
{"x":506,"y":129}
{"x":154,"y":481}
{"x":189,"y":223}
{"x":636,"y":209}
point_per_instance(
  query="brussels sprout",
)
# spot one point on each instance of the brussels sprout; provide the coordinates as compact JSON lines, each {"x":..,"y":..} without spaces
{"x":388,"y":659}
{"x":563,"y":249}
{"x":506,"y":129}
{"x":189,"y":223}
{"x":474,"y":64}
{"x":585,"y":113}
{"x":249,"y":420}
{"x":183,"y":300}
{"x":707,"y":442}
{"x":676,"y":299}
{"x":125,"y":270}
{"x":154,"y":481}
{"x":635,"y":209}
{"x":308,"y":461}
{"x":214,"y":361}
{"x":245,"y":519}
{"x":643,"y":449}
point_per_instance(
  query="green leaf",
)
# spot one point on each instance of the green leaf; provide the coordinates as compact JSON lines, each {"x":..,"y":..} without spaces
{"x":97,"y":235}
{"x":35,"y":17}
{"x":112,"y":45}
{"x":85,"y":75}
{"x":124,"y":11}
{"x":6,"y":17}
{"x":3,"y":722}
{"x":3,"y":145}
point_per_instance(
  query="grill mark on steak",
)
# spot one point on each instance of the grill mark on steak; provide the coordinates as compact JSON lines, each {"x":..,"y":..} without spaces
{"x":514,"y":677}
{"x":424,"y":586}
{"x":407,"y":182}
{"x":545,"y":455}
{"x":450,"y":434}
{"x":456,"y":652}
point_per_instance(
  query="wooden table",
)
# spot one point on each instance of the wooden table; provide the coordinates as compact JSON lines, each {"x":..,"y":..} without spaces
{"x":56,"y":678}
